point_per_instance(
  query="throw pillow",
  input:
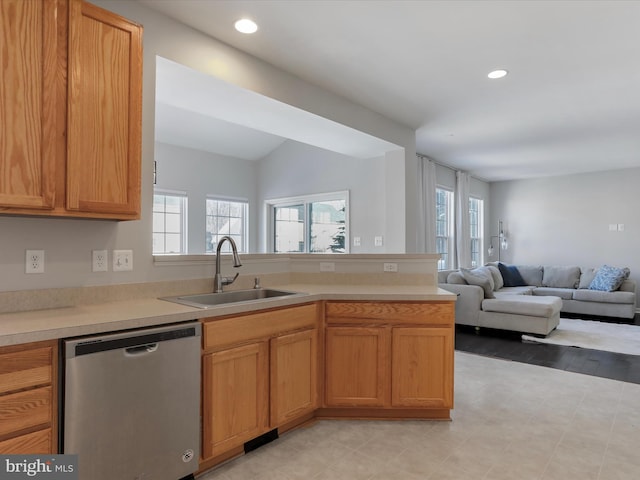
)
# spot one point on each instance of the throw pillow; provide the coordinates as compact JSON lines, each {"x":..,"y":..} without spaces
{"x":561,"y":277}
{"x":511,"y":275}
{"x":480,"y":279}
{"x":608,"y":279}
{"x":456,"y":278}
{"x":497,"y":277}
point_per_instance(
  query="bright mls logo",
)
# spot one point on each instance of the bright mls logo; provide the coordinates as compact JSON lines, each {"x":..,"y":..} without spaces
{"x":50,"y":467}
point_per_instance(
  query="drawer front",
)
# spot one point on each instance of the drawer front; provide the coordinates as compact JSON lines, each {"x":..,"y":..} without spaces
{"x":244,"y":328}
{"x":32,"y":443}
{"x":423,"y":313}
{"x":26,"y":368}
{"x":25,"y":410}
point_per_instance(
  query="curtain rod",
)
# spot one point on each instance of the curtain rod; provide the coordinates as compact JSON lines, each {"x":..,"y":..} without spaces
{"x":424,"y":157}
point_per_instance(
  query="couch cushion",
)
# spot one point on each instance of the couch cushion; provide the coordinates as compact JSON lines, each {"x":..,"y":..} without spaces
{"x":482,"y":278}
{"x":608,"y":279}
{"x":561,"y":277}
{"x":511,"y":275}
{"x":456,"y":278}
{"x":586,"y":295}
{"x":587,"y":277}
{"x":564,"y":293}
{"x":532,"y":274}
{"x":523,"y":305}
{"x":498,"y":282}
{"x":523,"y":290}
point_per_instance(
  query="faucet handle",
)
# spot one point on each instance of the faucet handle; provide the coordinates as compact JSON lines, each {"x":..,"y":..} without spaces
{"x":229,"y":280}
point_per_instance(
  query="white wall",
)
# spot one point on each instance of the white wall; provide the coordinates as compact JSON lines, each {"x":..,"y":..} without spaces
{"x":68,"y":243}
{"x":200,"y":174}
{"x":565,"y":220}
{"x":296,"y":169}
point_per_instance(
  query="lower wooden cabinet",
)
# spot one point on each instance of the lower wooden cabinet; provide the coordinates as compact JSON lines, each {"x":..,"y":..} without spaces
{"x":236,"y":391}
{"x":422,"y":367}
{"x":357,"y":366}
{"x":387,"y":355}
{"x":260,"y":372}
{"x":294,"y":376}
{"x":28,"y":398}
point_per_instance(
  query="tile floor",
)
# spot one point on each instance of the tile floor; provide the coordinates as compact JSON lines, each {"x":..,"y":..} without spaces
{"x":512,"y":421}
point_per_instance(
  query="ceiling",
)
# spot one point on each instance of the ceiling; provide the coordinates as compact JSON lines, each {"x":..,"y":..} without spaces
{"x":570,"y":104}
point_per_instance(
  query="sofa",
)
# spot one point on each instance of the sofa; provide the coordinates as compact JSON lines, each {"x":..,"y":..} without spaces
{"x":530,"y":298}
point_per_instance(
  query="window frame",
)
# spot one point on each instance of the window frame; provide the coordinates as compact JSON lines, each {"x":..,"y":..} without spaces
{"x":306,"y":201}
{"x":479,"y":238}
{"x":447,"y":258}
{"x":183,"y":221}
{"x":243,"y":244}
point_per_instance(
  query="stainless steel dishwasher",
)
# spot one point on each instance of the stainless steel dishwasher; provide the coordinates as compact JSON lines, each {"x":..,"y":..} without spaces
{"x":132,"y":403}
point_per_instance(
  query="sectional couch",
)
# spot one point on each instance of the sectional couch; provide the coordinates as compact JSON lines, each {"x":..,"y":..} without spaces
{"x":533,"y":302}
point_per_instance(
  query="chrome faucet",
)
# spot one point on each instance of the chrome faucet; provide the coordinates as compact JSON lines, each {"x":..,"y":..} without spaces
{"x":219,"y":281}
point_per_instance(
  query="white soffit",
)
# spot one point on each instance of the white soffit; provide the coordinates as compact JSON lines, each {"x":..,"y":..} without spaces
{"x":191,"y":105}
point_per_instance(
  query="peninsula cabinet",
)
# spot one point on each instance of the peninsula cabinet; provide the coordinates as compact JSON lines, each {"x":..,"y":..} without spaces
{"x":28,"y":405}
{"x":388,"y":359}
{"x":260,"y":372}
{"x":70,"y":110}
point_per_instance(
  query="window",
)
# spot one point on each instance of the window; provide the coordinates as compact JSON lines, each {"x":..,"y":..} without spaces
{"x":226,"y":217}
{"x":169,"y":222}
{"x":476,"y":227}
{"x":444,"y":227}
{"x":312,"y":224}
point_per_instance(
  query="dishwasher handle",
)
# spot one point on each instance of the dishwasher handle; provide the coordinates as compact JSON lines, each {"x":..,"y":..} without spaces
{"x":141,"y":349}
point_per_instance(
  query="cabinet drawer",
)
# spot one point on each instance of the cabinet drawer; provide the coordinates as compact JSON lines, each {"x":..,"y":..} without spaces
{"x":434,"y":313}
{"x":26,"y":368}
{"x":243,"y":328}
{"x":31,"y":443}
{"x":25,"y":409}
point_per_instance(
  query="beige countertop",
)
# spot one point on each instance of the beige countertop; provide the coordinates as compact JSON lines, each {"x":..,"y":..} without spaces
{"x":33,"y":326}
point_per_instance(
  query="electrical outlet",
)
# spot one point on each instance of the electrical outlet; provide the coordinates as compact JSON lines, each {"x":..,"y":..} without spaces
{"x":377,"y":241}
{"x":34,"y":261}
{"x":390,"y":267}
{"x":122,"y":260}
{"x":99,"y":261}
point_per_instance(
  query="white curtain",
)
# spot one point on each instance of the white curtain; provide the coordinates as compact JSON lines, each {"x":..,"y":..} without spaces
{"x":463,"y":227}
{"x":427,"y":208}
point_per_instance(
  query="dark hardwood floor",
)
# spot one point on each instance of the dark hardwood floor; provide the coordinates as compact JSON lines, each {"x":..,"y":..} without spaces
{"x":509,"y":346}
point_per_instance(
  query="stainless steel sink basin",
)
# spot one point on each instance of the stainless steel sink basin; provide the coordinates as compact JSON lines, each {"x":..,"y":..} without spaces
{"x":208,"y":300}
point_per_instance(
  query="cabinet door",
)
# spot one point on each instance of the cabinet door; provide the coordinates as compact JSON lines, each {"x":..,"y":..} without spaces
{"x":422,"y":367}
{"x":357,"y":366}
{"x":235,"y":397}
{"x":28,"y":39}
{"x":294,"y":376}
{"x":104,"y":112}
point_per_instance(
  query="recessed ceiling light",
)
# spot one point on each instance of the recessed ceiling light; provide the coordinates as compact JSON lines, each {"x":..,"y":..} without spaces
{"x":245,"y":25}
{"x":497,"y":74}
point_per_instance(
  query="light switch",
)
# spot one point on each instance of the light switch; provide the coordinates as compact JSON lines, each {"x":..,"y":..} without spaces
{"x":356,"y":241}
{"x":621,"y":227}
{"x":377,"y":241}
{"x":613,"y":227}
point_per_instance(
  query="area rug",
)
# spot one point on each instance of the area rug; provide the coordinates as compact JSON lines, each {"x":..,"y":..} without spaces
{"x":611,"y":337}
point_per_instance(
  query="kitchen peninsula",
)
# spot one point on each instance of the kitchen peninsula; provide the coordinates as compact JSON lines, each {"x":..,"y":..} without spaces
{"x":351,"y":344}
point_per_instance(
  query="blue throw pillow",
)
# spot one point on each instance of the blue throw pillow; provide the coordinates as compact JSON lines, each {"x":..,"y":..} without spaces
{"x":608,"y":279}
{"x":511,"y":276}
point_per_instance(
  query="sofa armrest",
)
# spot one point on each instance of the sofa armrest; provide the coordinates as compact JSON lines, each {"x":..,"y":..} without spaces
{"x":628,"y":286}
{"x":469,"y":302}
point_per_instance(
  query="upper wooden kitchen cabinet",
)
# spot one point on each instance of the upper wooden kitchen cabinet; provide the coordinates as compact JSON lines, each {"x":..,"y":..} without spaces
{"x":70,"y":104}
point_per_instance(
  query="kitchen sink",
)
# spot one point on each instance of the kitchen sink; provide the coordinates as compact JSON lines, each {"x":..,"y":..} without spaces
{"x":208,"y":300}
